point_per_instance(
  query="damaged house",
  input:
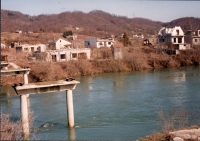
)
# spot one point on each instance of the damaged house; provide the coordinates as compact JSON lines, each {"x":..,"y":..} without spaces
{"x":173,"y":36}
{"x":60,"y":50}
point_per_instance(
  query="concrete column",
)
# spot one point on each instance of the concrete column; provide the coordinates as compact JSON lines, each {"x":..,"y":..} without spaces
{"x":70,"y":108}
{"x":26,"y":78}
{"x":26,"y":82}
{"x":24,"y":114}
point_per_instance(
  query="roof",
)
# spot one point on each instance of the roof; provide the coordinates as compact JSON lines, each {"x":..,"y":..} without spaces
{"x":166,"y":30}
{"x":55,"y":40}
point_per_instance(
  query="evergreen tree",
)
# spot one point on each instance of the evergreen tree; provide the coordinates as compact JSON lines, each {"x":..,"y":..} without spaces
{"x":126,"y":40}
{"x":67,"y":33}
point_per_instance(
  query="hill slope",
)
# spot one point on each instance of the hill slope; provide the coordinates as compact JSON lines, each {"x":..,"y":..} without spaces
{"x":95,"y":23}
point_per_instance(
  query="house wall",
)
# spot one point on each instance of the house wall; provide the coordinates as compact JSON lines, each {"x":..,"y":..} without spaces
{"x":90,"y":42}
{"x":64,"y":55}
{"x":31,"y":48}
{"x":196,"y":40}
{"x":60,"y":43}
{"x":94,"y":42}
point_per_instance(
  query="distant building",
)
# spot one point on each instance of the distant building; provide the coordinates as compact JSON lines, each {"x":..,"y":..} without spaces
{"x":196,"y":37}
{"x":58,"y":44}
{"x":97,"y":43}
{"x":18,"y":31}
{"x":138,"y":36}
{"x":63,"y":55}
{"x":174,"y":36}
{"x":76,"y":28}
{"x":31,"y":48}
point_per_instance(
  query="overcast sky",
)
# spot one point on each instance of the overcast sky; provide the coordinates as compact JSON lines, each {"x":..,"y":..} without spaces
{"x":164,"y":11}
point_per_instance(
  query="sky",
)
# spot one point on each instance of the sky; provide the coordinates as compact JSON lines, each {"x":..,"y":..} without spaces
{"x":164,"y":11}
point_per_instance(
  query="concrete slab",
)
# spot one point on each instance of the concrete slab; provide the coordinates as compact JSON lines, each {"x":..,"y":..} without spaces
{"x":45,"y":87}
{"x":15,"y":71}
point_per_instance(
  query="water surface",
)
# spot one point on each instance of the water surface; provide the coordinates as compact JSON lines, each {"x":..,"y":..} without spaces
{"x":112,"y":106}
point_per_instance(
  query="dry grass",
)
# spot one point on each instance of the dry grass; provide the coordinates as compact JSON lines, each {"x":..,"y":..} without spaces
{"x":174,"y":121}
{"x":11,"y":130}
{"x":179,"y":119}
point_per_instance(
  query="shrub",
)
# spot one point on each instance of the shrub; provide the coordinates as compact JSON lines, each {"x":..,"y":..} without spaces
{"x":67,"y":33}
{"x":11,"y":130}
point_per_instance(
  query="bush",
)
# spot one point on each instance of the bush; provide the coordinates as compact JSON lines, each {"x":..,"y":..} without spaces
{"x":67,"y":33}
{"x":13,"y":130}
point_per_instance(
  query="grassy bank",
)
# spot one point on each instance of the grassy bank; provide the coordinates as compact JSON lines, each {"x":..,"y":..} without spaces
{"x":135,"y":58}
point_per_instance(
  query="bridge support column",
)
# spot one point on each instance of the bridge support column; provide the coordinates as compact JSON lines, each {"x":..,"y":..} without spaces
{"x":26,"y":78}
{"x":24,"y":115}
{"x":26,"y":82}
{"x":70,"y":108}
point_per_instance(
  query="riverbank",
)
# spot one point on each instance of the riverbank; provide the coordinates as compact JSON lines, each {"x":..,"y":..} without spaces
{"x":192,"y":134}
{"x":134,"y":59}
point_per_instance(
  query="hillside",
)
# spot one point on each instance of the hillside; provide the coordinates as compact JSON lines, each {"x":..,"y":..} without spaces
{"x":95,"y":23}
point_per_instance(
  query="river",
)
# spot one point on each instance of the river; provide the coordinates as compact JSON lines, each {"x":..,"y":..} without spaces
{"x":112,"y":106}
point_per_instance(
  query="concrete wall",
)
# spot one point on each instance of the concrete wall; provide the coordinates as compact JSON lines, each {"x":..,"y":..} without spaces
{"x":90,"y":42}
{"x":183,"y":47}
{"x":31,"y":48}
{"x":177,"y":31}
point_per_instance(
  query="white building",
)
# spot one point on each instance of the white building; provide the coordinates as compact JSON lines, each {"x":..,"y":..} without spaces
{"x":63,"y":55}
{"x":174,"y":36}
{"x":58,"y":44}
{"x":18,"y":31}
{"x":31,"y":48}
{"x":97,"y":43}
{"x":138,"y":36}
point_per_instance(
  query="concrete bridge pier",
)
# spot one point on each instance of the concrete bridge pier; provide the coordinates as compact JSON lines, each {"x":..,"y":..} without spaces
{"x":25,"y":104}
{"x":26,"y":78}
{"x":26,"y":82}
{"x":24,"y":115}
{"x":70,"y":108}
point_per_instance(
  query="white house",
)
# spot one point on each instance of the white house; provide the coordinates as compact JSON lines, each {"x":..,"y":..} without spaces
{"x":63,"y":55}
{"x":18,"y":31}
{"x":174,"y":36}
{"x":97,"y":43}
{"x":58,"y":44}
{"x":31,"y":48}
{"x":196,"y":37}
